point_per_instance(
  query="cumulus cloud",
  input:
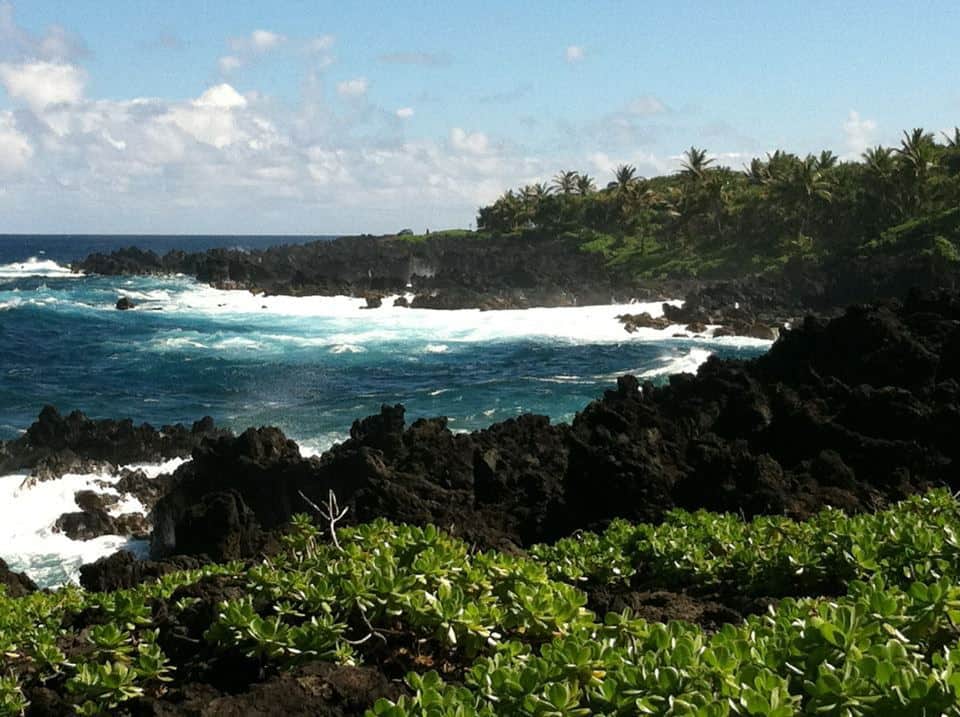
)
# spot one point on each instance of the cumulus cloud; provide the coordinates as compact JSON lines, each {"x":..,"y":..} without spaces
{"x":859,"y":133}
{"x":470,"y":142}
{"x":210,"y":118}
{"x":40,"y":84}
{"x":574,"y":54}
{"x":15,"y":148}
{"x":356,"y":87}
{"x":222,"y":160}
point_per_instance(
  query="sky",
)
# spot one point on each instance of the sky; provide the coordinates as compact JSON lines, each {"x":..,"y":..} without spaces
{"x":315,"y":117}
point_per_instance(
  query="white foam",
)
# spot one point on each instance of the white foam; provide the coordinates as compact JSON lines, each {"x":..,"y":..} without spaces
{"x":36,"y":267}
{"x":343,"y":320}
{"x":320,"y":444}
{"x":686,"y":363}
{"x":29,"y":510}
{"x":347,"y":349}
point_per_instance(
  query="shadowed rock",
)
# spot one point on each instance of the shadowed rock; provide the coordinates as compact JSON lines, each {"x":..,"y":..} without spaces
{"x":855,"y":412}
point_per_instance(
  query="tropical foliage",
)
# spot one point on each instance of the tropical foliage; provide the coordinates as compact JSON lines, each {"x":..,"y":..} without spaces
{"x":711,"y":219}
{"x":518,"y":631}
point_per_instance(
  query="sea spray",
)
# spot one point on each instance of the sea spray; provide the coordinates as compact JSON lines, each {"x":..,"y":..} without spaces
{"x":29,"y":509}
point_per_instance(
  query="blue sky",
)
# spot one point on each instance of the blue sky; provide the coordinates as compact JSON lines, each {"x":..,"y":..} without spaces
{"x":322,"y":117}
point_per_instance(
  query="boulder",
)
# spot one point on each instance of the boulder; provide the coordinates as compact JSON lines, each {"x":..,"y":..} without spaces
{"x":89,"y":500}
{"x":122,"y":570}
{"x":124,"y":303}
{"x":632,"y":322}
{"x":86,"y":524}
{"x":373,"y":301}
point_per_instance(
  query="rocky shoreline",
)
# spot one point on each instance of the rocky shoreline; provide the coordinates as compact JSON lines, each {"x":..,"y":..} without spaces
{"x":493,"y":273}
{"x":855,"y":412}
{"x":470,"y":272}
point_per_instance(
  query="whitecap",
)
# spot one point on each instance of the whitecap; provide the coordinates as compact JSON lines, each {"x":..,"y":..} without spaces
{"x":238,"y":342}
{"x":686,"y":363}
{"x":29,"y":510}
{"x":320,"y":444}
{"x":347,"y":349}
{"x":36,"y":267}
{"x":436,"y":348}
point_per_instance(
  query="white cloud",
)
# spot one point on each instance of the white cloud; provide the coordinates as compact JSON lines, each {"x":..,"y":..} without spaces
{"x":405,"y":112}
{"x":259,"y":41}
{"x":264,"y":40}
{"x":15,"y":148}
{"x":229,"y":63}
{"x":647,"y":164}
{"x":41,"y":84}
{"x":222,"y":95}
{"x":356,"y":87}
{"x":211,"y":118}
{"x":859,"y":133}
{"x":574,"y":53}
{"x":463,"y":141}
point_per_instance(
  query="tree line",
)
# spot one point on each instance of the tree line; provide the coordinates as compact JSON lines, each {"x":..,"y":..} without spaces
{"x":778,"y":206}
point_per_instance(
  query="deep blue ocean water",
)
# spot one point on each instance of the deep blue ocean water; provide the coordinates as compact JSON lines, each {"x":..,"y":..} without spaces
{"x":308,"y":365}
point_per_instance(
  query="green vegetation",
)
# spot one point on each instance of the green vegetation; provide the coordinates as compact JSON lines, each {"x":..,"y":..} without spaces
{"x":770,"y":555}
{"x":409,"y":236}
{"x":514,"y":632}
{"x":709,"y":220}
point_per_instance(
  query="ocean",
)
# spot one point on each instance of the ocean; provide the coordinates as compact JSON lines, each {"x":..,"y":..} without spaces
{"x":309,"y":365}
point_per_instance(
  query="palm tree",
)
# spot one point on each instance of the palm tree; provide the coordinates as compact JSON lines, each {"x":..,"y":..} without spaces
{"x":585,"y":185}
{"x":565,"y":182}
{"x":827,"y":160}
{"x":916,"y":154}
{"x":809,"y":186}
{"x":878,"y":161}
{"x":780,"y":165}
{"x":625,"y":176}
{"x":757,"y":171}
{"x":950,"y":158}
{"x":880,"y":168}
{"x":695,"y":163}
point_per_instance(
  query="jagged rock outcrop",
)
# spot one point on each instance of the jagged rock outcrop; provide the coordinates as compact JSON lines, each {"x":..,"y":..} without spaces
{"x":56,"y":444}
{"x":854,"y":412}
{"x":473,"y":271}
{"x":123,"y":570}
